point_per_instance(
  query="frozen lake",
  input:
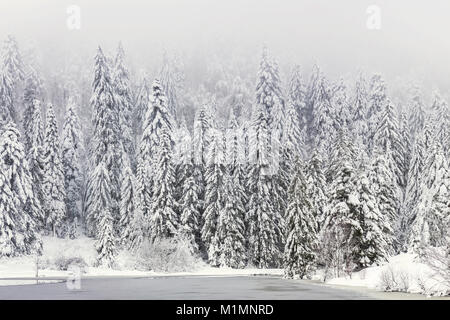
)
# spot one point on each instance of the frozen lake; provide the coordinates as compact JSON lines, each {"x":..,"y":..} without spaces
{"x":183,"y":288}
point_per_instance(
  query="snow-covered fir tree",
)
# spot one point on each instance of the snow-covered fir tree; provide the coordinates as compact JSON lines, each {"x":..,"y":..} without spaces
{"x":297,"y":96}
{"x":342,"y":112}
{"x":141,"y":103}
{"x":430,"y":223}
{"x":235,"y":157}
{"x":317,"y":187}
{"x":157,"y":124}
{"x":31,"y":93}
{"x":190,"y":216}
{"x":169,"y":84}
{"x":341,"y":225}
{"x":405,"y":139}
{"x":264,"y":231}
{"x":18,"y":229}
{"x":323,"y":124}
{"x":182,"y":157}
{"x":7,"y":110}
{"x":359,"y":109}
{"x":231,"y":227}
{"x":441,"y":120}
{"x":105,"y":243}
{"x":377,"y":101}
{"x":12,"y":60}
{"x":106,"y":136}
{"x":99,"y":200}
{"x":35,"y":159}
{"x":164,"y":221}
{"x":203,"y":125}
{"x":127,"y":203}
{"x":268,"y":87}
{"x":54,"y":191}
{"x":387,"y":137}
{"x":416,"y":111}
{"x":376,"y":236}
{"x":71,"y":147}
{"x":383,"y":182}
{"x":214,"y":196}
{"x":301,"y":228}
{"x":123,"y":97}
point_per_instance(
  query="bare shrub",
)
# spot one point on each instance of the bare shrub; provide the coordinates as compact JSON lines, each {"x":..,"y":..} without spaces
{"x":166,"y":255}
{"x":64,"y":263}
{"x":438,"y":259}
{"x":387,"y":280}
{"x":394,"y":281}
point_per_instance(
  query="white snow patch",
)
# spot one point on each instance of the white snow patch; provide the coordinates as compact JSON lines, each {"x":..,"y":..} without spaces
{"x":408,"y":273}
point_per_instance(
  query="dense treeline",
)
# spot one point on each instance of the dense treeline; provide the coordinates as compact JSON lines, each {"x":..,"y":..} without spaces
{"x":305,"y":174}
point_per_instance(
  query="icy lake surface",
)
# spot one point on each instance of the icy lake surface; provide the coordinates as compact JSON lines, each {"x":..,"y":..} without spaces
{"x":244,"y":287}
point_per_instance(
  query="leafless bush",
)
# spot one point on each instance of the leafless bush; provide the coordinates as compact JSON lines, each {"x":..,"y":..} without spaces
{"x":404,"y":280}
{"x":394,"y":281}
{"x":422,"y":284}
{"x":438,"y":259}
{"x":335,"y":254}
{"x":166,"y":255}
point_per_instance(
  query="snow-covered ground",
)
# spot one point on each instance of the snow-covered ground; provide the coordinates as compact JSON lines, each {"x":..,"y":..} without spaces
{"x":56,"y":251}
{"x":403,"y":273}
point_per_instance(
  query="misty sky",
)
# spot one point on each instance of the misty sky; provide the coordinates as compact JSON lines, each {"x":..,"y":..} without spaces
{"x":414,"y":40}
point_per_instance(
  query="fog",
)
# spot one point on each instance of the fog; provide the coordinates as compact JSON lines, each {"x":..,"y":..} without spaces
{"x":413,"y":41}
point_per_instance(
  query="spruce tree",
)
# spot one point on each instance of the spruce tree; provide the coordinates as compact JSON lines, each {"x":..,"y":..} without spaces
{"x":359,"y":109}
{"x":105,"y":243}
{"x":375,"y":240}
{"x":164,"y":221}
{"x":157,"y":124}
{"x":441,"y":121}
{"x":7,"y":110}
{"x":214,"y":196}
{"x":18,"y":230}
{"x":169,"y":84}
{"x":383,"y":182}
{"x":123,"y":97}
{"x":106,"y":134}
{"x":100,"y":201}
{"x":416,"y":112}
{"x":141,"y":103}
{"x":341,"y":225}
{"x":317,"y":187}
{"x":264,"y":230}
{"x":429,"y":226}
{"x":377,"y":101}
{"x":297,"y":96}
{"x":71,"y":150}
{"x":36,"y":160}
{"x":190,"y":215}
{"x":301,"y":229}
{"x":268,"y":89}
{"x":342,"y":112}
{"x":12,"y":60}
{"x":387,"y":137}
{"x":231,"y":227}
{"x":323,"y":127}
{"x":31,"y":93}
{"x":127,"y":204}
{"x":203,"y":125}
{"x":55,"y":193}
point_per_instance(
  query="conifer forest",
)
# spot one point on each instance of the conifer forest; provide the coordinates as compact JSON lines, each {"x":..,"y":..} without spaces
{"x":251,"y":162}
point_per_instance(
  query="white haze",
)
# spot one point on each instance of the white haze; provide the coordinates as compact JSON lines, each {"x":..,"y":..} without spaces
{"x":413,"y":43}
